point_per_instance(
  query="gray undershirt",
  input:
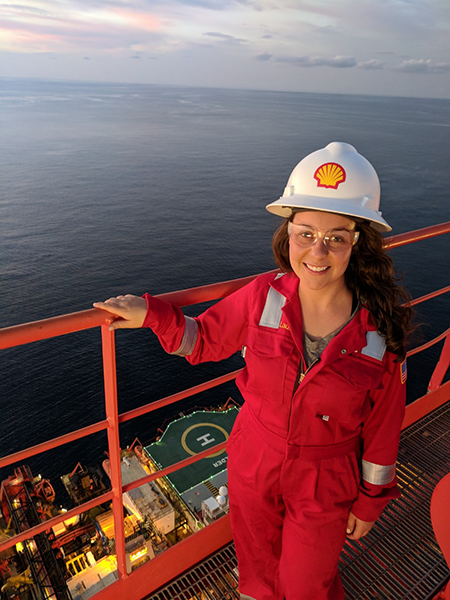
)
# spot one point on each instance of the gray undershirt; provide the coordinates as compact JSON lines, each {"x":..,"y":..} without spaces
{"x":314,"y":347}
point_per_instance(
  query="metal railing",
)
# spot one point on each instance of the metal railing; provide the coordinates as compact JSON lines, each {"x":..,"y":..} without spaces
{"x":159,"y":570}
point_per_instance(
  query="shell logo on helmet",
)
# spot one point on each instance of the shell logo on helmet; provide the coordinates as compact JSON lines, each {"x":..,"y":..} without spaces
{"x":330,"y":175}
{"x":315,"y":184}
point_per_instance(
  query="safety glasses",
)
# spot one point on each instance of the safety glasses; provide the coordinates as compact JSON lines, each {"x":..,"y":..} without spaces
{"x":336,"y":240}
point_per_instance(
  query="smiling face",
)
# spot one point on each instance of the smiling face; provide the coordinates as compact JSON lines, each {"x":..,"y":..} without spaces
{"x":317,"y":267}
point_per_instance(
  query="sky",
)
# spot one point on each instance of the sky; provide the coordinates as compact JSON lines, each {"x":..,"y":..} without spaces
{"x":381,"y":47}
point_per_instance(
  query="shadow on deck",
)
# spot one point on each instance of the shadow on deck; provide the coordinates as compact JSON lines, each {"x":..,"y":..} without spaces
{"x":398,"y":559}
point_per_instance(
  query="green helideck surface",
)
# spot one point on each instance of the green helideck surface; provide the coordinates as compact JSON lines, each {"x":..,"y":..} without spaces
{"x":189,"y":435}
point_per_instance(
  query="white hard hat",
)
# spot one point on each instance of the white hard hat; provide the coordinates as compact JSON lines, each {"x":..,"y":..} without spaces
{"x":334,"y":179}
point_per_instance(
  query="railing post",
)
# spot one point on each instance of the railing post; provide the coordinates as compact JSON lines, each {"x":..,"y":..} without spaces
{"x":112,"y":416}
{"x":441,"y":367}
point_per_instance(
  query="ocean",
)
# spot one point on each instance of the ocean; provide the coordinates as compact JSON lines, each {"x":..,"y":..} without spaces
{"x":109,"y":188}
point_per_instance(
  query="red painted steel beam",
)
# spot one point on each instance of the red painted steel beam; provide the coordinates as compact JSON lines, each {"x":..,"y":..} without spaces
{"x":112,"y":416}
{"x":170,"y":564}
{"x":47,"y":328}
{"x":442,"y":367}
{"x":175,"y":467}
{"x":151,"y":406}
{"x":45,"y":525}
{"x":206,"y":293}
{"x":429,"y":296}
{"x":439,"y":512}
{"x":417,"y":235}
{"x":26,"y":333}
{"x":127,"y":416}
{"x":110,"y":496}
{"x":427,"y":345}
{"x":53,"y":443}
{"x":424,"y":405}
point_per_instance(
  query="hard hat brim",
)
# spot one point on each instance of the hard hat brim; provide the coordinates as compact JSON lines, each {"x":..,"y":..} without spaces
{"x":283,"y":207}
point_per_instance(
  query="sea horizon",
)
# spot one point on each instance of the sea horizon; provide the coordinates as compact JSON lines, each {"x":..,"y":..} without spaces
{"x":218,"y":88}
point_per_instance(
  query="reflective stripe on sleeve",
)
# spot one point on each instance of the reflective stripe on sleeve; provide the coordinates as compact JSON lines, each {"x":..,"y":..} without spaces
{"x":377,"y":474}
{"x":189,"y":338}
{"x":271,"y":316}
{"x":376,"y":345}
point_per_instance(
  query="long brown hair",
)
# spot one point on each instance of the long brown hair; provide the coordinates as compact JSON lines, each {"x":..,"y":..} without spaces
{"x":371,"y":277}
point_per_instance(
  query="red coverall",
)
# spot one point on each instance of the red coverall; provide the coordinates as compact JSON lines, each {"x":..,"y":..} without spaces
{"x":294,"y":452}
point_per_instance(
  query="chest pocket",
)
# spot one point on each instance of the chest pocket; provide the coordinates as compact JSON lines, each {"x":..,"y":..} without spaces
{"x":267,"y":356}
{"x":345,"y":395}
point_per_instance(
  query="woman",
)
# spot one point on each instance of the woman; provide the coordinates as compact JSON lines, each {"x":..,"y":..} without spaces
{"x":312,"y":455}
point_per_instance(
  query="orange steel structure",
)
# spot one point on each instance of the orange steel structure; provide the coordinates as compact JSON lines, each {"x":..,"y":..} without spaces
{"x":155,"y":573}
{"x":441,"y":523}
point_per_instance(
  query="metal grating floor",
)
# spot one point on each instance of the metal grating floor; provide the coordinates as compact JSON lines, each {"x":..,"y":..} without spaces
{"x":398,"y":560}
{"x":216,"y":578}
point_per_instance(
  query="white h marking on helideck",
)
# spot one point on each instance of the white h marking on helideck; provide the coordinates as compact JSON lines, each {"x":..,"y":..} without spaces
{"x":207,"y":439}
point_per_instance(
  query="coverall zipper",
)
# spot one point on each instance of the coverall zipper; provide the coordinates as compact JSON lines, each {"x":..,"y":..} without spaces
{"x":301,"y":374}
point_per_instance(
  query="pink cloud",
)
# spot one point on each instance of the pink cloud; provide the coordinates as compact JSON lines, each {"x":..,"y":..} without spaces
{"x":25,"y":40}
{"x":139,"y":20}
{"x":106,"y":29}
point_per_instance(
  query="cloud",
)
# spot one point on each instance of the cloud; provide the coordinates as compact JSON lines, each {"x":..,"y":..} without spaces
{"x":132,"y":19}
{"x":135,"y":56}
{"x":22,"y":9}
{"x":229,"y":39}
{"x":423,"y":66}
{"x":387,"y":18}
{"x":338,"y":62}
{"x":354,"y":41}
{"x":20,"y":39}
{"x":215,"y":4}
{"x":371,"y":65}
{"x":325,"y":30}
{"x":263,"y":57}
{"x":346,"y":62}
{"x":71,"y":28}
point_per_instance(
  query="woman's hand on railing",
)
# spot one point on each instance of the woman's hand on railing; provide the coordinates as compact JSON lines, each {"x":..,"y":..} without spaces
{"x":129,"y":311}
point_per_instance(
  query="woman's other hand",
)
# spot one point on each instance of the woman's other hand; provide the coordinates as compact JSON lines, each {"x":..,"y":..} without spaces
{"x":356,"y":528}
{"x":129,"y":310}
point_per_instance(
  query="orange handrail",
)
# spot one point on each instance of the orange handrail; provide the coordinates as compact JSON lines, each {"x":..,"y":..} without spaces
{"x":53,"y":443}
{"x":427,"y":345}
{"x":62,"y":325}
{"x":417,"y":235}
{"x":87,"y":319}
